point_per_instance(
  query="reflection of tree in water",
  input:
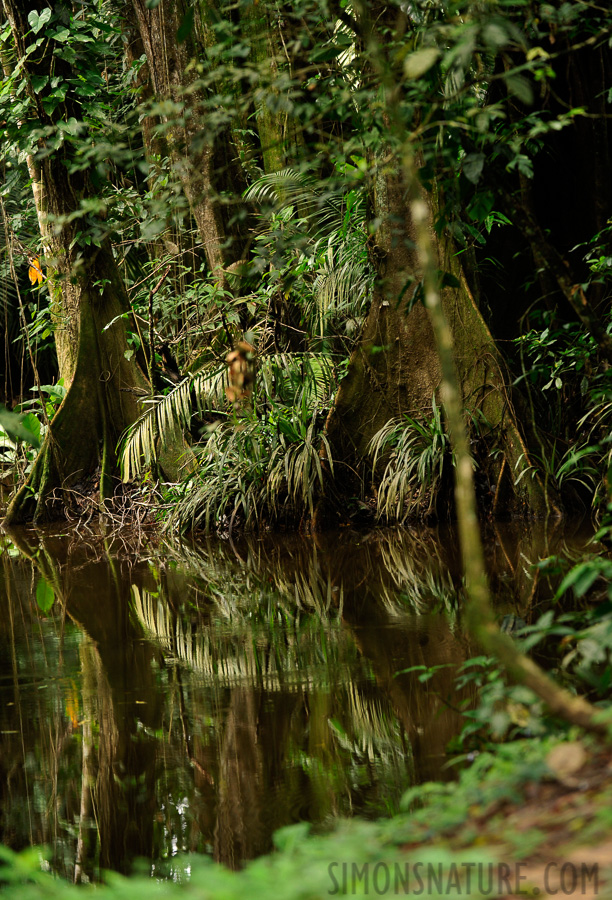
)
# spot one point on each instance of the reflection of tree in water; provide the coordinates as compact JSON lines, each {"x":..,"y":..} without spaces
{"x":90,"y":795}
{"x":345,"y":595}
{"x":289,"y":696}
{"x":265,"y":689}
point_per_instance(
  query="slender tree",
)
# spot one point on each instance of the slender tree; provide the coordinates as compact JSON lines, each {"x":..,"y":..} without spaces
{"x":199,"y":137}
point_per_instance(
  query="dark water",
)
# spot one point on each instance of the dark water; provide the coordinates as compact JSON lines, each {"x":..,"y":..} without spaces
{"x":159,"y":698}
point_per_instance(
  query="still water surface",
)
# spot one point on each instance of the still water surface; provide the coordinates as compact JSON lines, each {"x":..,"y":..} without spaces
{"x":199,"y":696}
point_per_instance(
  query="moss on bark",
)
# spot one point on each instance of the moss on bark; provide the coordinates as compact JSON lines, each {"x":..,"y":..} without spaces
{"x":101,"y":402}
{"x":395,"y":369}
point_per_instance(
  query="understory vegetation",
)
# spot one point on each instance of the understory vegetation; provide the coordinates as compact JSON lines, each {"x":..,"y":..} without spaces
{"x":259,"y":284}
{"x":299,"y":267}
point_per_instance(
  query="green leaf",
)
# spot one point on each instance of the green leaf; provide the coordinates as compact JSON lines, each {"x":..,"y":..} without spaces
{"x":45,"y":595}
{"x":520,"y":87}
{"x":50,"y":104}
{"x":72,"y":126}
{"x":20,"y":428}
{"x":38,"y":82}
{"x":62,"y":35}
{"x":481,"y":206}
{"x":32,"y":425}
{"x":472,"y":166}
{"x":37,"y":21}
{"x":582,"y":576}
{"x":419,"y":62}
{"x":186,"y":26}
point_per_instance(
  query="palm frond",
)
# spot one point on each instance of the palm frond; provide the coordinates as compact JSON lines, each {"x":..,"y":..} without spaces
{"x":164,"y":415}
{"x":299,"y":379}
{"x":415,"y":453}
{"x":286,"y":187}
{"x":343,"y":285}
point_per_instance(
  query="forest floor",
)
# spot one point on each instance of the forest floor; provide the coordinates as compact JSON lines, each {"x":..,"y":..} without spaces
{"x":553,"y":840}
{"x":531,"y":818}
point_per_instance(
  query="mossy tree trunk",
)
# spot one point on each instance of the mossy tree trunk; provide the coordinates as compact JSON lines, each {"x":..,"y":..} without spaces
{"x":395,"y":368}
{"x":270,"y":29}
{"x":87,"y":294}
{"x":200,"y":143}
{"x":102,"y":399}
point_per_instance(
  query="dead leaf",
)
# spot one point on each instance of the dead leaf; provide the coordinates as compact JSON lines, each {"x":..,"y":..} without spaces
{"x":241,"y":372}
{"x":35,"y":273}
{"x":565,"y":760}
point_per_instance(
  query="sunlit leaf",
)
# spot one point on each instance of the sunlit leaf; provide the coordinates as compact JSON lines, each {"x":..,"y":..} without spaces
{"x":37,"y":21}
{"x":419,"y":62}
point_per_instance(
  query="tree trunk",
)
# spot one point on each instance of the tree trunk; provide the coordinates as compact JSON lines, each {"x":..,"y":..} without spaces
{"x":270,"y":29}
{"x":395,"y":369}
{"x":101,"y":402}
{"x":202,"y":152}
{"x":87,"y":295}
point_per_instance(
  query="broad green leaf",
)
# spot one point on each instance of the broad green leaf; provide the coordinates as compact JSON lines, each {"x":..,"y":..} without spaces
{"x":495,"y":35}
{"x":72,"y":126}
{"x":61,"y":35}
{"x":419,"y":62}
{"x":38,"y":82}
{"x":520,"y":87}
{"x":32,"y":425}
{"x":19,"y":427}
{"x":37,"y":21}
{"x":45,"y":595}
{"x":472,"y":166}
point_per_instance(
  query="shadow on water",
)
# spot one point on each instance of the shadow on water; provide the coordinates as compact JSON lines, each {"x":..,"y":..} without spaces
{"x":197,"y":697}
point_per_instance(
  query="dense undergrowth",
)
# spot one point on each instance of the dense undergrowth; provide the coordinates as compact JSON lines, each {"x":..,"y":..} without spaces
{"x":457,"y":838}
{"x":297,"y":294}
{"x":261,"y":459}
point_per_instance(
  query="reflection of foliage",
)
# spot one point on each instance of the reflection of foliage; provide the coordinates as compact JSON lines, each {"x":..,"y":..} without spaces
{"x":39,"y":706}
{"x":269,"y":648}
{"x":420,"y":576}
{"x":266,"y":638}
{"x":404,"y":570}
{"x":342,"y":734}
{"x":472,"y":809}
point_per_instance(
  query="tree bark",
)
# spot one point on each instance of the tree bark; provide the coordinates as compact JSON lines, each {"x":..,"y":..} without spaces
{"x":395,"y":369}
{"x":202,"y":153}
{"x":479,"y":613}
{"x":87,"y":295}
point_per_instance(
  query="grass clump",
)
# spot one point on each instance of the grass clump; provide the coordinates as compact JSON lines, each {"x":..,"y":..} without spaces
{"x":262,"y":471}
{"x":415,"y":454}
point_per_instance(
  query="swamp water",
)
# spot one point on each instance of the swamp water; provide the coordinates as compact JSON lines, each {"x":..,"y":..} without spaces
{"x":200,"y":696}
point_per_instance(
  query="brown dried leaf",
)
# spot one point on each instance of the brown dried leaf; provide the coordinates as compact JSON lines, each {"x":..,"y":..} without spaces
{"x":566,"y":759}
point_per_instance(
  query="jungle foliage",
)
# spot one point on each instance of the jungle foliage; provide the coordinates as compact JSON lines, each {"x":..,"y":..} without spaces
{"x":241,"y":168}
{"x":440,"y":823}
